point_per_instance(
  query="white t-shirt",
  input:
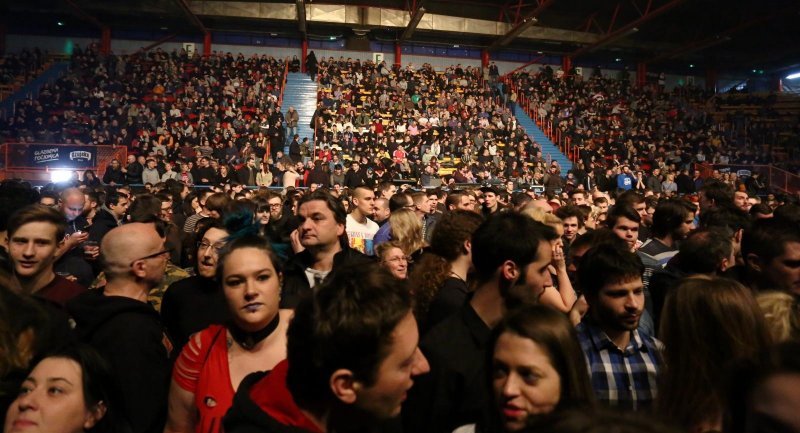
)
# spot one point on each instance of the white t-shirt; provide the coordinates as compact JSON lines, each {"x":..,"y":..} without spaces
{"x":315,"y":277}
{"x":360,"y":235}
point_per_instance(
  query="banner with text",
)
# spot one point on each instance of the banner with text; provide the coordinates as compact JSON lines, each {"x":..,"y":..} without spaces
{"x":48,"y":155}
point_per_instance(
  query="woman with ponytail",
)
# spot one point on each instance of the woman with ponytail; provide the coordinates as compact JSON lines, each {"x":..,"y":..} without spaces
{"x":214,"y":362}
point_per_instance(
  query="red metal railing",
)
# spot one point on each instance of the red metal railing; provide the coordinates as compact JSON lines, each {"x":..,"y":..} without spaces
{"x":775,"y":178}
{"x":15,"y":160}
{"x":562,"y":141}
{"x":283,"y":83}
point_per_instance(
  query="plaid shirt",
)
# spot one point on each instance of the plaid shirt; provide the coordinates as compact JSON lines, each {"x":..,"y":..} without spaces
{"x":624,"y":379}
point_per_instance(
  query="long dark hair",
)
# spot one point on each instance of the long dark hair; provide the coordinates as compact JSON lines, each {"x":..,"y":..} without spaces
{"x":554,"y":333}
{"x":707,"y":324}
{"x":447,"y":244}
{"x":99,"y":386}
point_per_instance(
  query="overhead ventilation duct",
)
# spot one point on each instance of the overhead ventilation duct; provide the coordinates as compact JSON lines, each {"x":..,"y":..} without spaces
{"x":413,"y":23}
{"x":611,"y":40}
{"x":301,"y":16}
{"x":513,"y":33}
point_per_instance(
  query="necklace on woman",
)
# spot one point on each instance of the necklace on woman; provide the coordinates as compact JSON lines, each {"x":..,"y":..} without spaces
{"x":453,"y":274}
{"x":248,"y":340}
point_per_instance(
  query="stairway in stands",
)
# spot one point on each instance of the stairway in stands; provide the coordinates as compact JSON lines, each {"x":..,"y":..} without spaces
{"x":31,"y":89}
{"x":537,"y":135}
{"x":301,"y":93}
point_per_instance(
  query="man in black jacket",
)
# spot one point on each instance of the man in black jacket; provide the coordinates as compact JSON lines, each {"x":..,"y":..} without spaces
{"x":322,"y":234}
{"x":247,"y":174}
{"x":319,"y":176}
{"x":192,"y":304}
{"x":133,"y":171}
{"x":114,"y":174}
{"x":352,"y":356}
{"x":294,"y":149}
{"x":354,"y":176}
{"x":109,"y":216}
{"x":281,"y":222}
{"x":511,"y":253}
{"x":205,"y":174}
{"x":126,"y":330}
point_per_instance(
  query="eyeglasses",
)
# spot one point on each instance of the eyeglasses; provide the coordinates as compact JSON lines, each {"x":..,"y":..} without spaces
{"x":275,"y":205}
{"x":204,"y":245}
{"x":151,"y":256}
{"x":406,"y":259}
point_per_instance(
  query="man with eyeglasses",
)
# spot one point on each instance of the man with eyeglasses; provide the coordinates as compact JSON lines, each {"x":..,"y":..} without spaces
{"x":117,"y":321}
{"x":192,"y":304}
{"x":281,"y":224}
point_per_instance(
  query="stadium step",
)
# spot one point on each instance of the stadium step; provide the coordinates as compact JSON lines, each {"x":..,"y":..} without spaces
{"x":537,"y":135}
{"x":31,"y":89}
{"x":301,"y":93}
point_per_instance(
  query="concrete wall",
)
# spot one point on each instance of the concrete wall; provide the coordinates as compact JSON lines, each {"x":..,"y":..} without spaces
{"x":64,"y":45}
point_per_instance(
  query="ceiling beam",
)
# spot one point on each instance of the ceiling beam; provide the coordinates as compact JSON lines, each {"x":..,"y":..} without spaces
{"x":155,"y":44}
{"x":416,"y":17}
{"x":302,"y":26}
{"x":523,"y":24}
{"x":628,"y":29}
{"x":723,"y":36}
{"x":85,"y":15}
{"x":191,"y":15}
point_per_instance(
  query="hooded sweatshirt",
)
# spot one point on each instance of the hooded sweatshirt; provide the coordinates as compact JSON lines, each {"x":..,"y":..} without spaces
{"x":129,"y":335}
{"x":263,"y":403}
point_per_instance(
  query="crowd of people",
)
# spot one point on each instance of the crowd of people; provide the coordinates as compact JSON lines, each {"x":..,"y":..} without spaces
{"x":214,"y":283}
{"x":22,"y":66}
{"x":611,"y":119}
{"x":162,"y":104}
{"x":218,"y":120}
{"x":173,"y":309}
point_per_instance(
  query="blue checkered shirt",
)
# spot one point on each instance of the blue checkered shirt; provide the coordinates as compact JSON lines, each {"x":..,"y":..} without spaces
{"x":623,"y":379}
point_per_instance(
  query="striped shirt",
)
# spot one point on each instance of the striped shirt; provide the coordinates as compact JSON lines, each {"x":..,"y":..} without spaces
{"x":623,"y":379}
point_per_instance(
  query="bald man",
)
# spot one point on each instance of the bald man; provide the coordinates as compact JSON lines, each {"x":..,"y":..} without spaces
{"x":118,"y":322}
{"x":70,"y":254}
{"x":540,"y":203}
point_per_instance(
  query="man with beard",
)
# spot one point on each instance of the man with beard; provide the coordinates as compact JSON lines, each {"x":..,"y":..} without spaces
{"x":623,"y":361}
{"x":281,"y":224}
{"x":192,"y":304}
{"x":510,"y":253}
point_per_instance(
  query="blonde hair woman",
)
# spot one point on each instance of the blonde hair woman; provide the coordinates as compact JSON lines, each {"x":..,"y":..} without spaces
{"x":780,"y":312}
{"x":407,"y":231}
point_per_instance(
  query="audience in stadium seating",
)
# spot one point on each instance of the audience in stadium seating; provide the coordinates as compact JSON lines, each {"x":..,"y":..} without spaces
{"x":656,"y":259}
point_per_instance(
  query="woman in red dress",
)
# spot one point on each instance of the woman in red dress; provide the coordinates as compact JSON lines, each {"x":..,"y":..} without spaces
{"x":214,"y":362}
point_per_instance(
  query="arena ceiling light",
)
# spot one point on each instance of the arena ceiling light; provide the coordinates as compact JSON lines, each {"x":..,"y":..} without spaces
{"x":794,"y":76}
